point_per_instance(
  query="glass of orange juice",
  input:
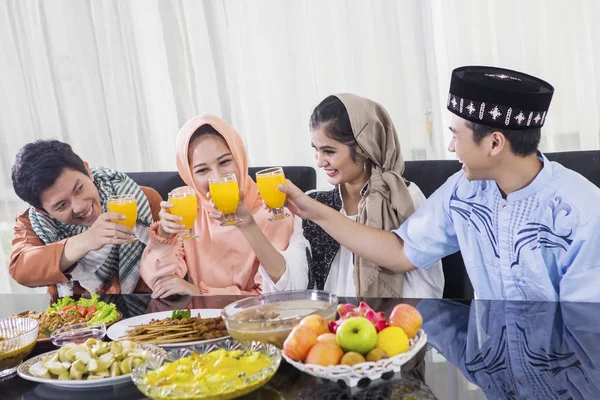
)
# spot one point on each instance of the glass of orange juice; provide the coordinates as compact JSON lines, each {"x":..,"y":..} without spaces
{"x":267,"y":181}
{"x":185,"y":206}
{"x":225,"y":193}
{"x":126,"y":205}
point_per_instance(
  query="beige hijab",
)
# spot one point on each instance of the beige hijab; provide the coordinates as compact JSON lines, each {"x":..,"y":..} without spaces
{"x":387,"y":202}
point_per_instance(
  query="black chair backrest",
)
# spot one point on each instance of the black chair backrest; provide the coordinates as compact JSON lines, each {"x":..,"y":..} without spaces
{"x":431,"y":174}
{"x":165,"y":181}
{"x":587,"y":163}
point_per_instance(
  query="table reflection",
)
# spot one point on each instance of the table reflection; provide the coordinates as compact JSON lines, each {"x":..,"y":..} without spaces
{"x":520,"y":350}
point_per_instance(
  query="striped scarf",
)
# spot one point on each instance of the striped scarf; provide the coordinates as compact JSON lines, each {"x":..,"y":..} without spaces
{"x":98,"y":268}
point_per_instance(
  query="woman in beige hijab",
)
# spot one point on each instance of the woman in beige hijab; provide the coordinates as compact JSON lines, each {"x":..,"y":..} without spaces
{"x":356,"y":144}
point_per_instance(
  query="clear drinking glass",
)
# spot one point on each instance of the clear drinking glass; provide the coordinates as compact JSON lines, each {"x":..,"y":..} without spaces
{"x":225,"y":193}
{"x":267,"y":181}
{"x":126,"y":205}
{"x":185,"y":206}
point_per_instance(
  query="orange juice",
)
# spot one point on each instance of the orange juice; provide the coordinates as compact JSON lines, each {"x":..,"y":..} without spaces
{"x":225,"y":195}
{"x":267,"y":185}
{"x":128,"y":208}
{"x":185,"y":207}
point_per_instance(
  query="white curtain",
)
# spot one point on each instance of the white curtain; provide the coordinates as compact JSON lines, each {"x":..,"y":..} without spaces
{"x":116,"y":78}
{"x":556,"y":40}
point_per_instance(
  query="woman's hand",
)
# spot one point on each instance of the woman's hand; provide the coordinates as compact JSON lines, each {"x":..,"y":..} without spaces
{"x":169,"y":224}
{"x":298,"y":202}
{"x":242,"y":212}
{"x":172,"y":284}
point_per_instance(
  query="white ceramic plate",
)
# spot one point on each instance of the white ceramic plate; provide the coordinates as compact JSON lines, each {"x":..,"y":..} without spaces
{"x":118,"y":330}
{"x":24,"y":373}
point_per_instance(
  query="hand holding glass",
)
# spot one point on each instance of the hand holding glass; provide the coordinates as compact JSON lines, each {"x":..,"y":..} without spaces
{"x":185,"y":206}
{"x":126,"y":205}
{"x":268,"y":180}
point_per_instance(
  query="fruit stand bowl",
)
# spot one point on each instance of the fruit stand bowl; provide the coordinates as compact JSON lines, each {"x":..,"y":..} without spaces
{"x":363,"y":373}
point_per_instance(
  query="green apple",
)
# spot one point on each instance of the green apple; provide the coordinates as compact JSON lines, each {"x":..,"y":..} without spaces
{"x":356,"y":334}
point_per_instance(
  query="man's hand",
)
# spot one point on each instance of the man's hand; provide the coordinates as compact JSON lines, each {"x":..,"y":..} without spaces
{"x":300,"y":203}
{"x":104,"y":231}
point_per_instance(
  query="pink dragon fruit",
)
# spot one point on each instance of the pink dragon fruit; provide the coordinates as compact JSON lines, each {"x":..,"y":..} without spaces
{"x":362,"y":310}
{"x":333,"y":325}
{"x":343,"y":309}
{"x":354,"y":313}
{"x":377,"y":319}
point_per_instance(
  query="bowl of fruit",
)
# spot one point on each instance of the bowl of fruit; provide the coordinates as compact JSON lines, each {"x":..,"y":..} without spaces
{"x":359,"y":347}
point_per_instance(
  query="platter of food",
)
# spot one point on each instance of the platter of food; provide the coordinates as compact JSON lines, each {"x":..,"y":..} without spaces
{"x":90,"y":364}
{"x":67,"y":311}
{"x":172,"y":328}
{"x":223,"y":370}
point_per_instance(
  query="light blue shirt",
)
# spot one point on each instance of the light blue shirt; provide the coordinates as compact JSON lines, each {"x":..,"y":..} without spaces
{"x":539,"y":243}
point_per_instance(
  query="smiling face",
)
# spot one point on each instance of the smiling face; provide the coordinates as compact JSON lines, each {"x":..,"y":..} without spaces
{"x":73,"y":199}
{"x":335,"y":158}
{"x":474,"y":157}
{"x":210,"y":157}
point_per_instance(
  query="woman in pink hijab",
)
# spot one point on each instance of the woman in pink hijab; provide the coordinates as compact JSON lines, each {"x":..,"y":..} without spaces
{"x":220,"y":260}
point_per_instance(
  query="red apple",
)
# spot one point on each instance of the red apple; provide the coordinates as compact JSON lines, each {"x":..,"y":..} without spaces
{"x":408,"y":318}
{"x":317,"y":323}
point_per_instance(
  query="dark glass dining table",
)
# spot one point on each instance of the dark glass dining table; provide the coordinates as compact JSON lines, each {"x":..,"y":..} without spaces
{"x":476,"y":349}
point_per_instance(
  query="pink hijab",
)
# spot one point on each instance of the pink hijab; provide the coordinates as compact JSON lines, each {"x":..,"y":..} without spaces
{"x":221,"y":256}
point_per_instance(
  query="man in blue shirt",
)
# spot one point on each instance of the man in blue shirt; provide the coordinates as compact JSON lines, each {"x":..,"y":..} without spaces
{"x":527,"y":228}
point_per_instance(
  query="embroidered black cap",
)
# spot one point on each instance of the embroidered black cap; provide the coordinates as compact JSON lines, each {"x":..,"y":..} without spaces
{"x":499,"y":97}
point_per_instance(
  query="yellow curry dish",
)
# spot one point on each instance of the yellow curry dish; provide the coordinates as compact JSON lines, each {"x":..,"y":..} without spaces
{"x":222,"y":373}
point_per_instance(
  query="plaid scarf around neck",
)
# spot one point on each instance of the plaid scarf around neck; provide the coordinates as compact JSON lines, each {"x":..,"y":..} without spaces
{"x":100,"y":267}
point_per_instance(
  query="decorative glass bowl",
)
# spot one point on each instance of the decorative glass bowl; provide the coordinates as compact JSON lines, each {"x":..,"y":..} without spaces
{"x":78,"y":333}
{"x":18,"y":337}
{"x":271,"y":317}
{"x":220,"y":390}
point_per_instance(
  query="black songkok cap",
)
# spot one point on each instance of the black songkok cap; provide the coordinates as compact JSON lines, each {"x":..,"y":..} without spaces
{"x":499,"y":97}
